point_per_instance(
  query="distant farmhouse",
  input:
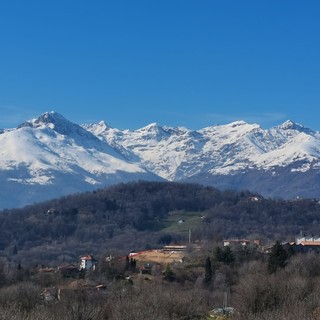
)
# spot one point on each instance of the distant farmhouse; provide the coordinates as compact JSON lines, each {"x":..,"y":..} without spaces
{"x":308,"y":240}
{"x":240,"y":242}
{"x":304,"y":244}
{"x":87,"y":263}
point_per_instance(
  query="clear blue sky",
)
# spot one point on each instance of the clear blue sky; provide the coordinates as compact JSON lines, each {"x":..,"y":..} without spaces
{"x":175,"y":62}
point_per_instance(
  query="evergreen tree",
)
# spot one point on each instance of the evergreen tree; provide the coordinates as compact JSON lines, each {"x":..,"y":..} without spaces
{"x":218,"y":254}
{"x":224,"y":255}
{"x":127,"y":266}
{"x":277,"y":257}
{"x":228,"y":256}
{"x":168,"y":273}
{"x":133,"y":265}
{"x":208,"y":271}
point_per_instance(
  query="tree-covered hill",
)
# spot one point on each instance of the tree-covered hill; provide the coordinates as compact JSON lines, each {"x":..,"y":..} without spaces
{"x":139,"y":215}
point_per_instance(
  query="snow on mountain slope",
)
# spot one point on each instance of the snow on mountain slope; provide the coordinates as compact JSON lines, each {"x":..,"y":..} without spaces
{"x":52,"y":151}
{"x":179,"y":153}
{"x":160,"y":149}
{"x":50,"y":156}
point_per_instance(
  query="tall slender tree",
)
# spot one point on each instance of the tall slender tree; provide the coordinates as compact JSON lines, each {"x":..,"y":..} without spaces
{"x":208,"y":272}
{"x":277,"y":257}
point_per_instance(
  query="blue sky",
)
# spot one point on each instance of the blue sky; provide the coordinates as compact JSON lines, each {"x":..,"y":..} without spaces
{"x":178,"y":62}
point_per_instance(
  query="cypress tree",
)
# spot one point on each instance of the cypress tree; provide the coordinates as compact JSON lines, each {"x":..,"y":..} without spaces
{"x":127,"y":265}
{"x":277,"y":257}
{"x":208,"y":271}
{"x":133,"y":264}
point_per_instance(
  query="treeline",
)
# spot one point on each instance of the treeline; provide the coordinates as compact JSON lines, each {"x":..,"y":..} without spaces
{"x":132,"y":217}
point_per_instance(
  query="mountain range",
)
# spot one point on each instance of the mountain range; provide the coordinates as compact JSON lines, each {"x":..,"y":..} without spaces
{"x":50,"y":157}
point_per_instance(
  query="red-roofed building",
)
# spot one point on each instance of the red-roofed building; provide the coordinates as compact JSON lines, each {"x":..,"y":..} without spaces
{"x":306,"y":244}
{"x":308,"y":240}
{"x":310,"y":243}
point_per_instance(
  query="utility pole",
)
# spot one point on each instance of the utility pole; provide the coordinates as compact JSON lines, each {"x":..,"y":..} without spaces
{"x":225,"y":299}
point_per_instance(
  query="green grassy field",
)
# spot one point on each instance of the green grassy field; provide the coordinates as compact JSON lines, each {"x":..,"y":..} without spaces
{"x":182,"y":221}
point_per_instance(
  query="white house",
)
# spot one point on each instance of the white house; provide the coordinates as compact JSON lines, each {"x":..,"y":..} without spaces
{"x":234,"y":242}
{"x":308,"y":240}
{"x":87,"y":263}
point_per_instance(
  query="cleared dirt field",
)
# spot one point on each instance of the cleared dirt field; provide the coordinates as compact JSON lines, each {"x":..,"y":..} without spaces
{"x":158,"y":256}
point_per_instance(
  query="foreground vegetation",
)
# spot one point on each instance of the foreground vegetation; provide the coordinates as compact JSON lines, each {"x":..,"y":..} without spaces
{"x":205,"y":281}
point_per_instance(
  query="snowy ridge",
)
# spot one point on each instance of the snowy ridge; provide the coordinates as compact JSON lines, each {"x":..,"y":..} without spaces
{"x":52,"y":151}
{"x":179,"y":153}
{"x":60,"y":145}
{"x":283,"y":161}
{"x":50,"y":156}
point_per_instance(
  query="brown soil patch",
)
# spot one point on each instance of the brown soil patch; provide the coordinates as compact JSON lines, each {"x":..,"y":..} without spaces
{"x":159,"y":256}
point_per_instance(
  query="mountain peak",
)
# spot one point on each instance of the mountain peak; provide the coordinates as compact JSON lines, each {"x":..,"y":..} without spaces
{"x":50,"y":117}
{"x":54,"y":121}
{"x":153,"y":131}
{"x":237,"y":123}
{"x":291,"y":125}
{"x":103,"y":126}
{"x":96,"y":128}
{"x":151,"y":127}
{"x":46,"y":118}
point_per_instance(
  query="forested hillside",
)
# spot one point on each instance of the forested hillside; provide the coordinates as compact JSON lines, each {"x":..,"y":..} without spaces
{"x":141,"y":215}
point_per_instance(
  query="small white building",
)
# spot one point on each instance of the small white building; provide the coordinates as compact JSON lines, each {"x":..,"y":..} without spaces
{"x":308,"y":240}
{"x":234,"y":242}
{"x":87,"y":263}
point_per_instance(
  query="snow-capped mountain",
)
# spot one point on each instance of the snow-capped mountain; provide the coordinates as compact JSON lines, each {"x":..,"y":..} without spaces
{"x":50,"y":156}
{"x":179,"y":153}
{"x":282,"y":161}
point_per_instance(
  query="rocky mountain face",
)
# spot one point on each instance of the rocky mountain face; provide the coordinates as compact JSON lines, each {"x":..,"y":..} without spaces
{"x":50,"y":157}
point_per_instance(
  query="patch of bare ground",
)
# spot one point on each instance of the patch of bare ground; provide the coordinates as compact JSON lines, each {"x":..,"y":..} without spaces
{"x":159,"y":256}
